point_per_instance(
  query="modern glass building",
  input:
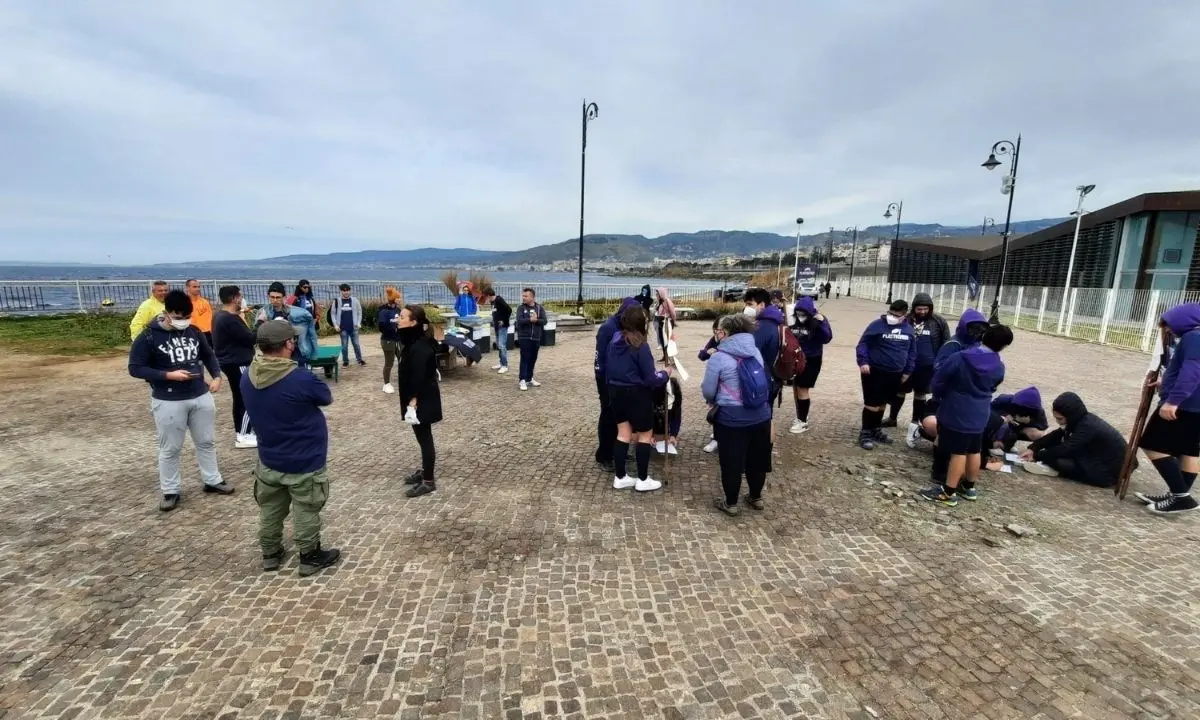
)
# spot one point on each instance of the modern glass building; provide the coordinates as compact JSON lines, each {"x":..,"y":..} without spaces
{"x":1148,"y":242}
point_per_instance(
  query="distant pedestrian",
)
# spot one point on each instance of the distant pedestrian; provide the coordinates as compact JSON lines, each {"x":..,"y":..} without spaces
{"x":501,"y":320}
{"x":389,"y":338}
{"x":420,"y":397}
{"x":285,"y":405}
{"x":150,"y":308}
{"x":665,"y":318}
{"x":233,"y":341}
{"x":347,"y":319}
{"x":464,"y":304}
{"x":202,"y":312}
{"x":531,"y":325}
{"x":303,"y":298}
{"x":632,"y":380}
{"x":812,"y":331}
{"x":886,"y":355}
{"x":172,"y":356}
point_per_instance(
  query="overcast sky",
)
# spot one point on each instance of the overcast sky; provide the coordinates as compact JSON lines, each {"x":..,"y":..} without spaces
{"x":168,"y":131}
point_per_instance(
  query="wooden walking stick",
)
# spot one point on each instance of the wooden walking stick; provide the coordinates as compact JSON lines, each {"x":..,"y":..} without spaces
{"x":1149,"y":388}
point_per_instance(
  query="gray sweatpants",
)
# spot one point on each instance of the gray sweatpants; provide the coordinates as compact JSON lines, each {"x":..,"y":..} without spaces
{"x":174,"y":419}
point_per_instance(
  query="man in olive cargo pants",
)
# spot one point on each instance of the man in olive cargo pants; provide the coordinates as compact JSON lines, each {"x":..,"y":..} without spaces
{"x":285,"y":405}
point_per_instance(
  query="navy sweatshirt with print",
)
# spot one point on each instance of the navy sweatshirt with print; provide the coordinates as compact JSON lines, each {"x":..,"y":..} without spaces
{"x":158,"y":351}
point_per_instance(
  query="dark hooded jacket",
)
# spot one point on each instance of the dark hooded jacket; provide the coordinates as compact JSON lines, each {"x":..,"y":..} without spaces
{"x":813,"y":335}
{"x":766,"y":334}
{"x":962,"y":339}
{"x":629,"y":366}
{"x":932,"y":332}
{"x":284,"y":403}
{"x":1181,"y":381}
{"x":964,"y":384}
{"x":604,"y":335}
{"x":1096,"y":448}
{"x":1026,"y":402}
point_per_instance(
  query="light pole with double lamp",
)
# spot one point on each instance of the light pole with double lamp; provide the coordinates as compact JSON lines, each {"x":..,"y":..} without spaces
{"x":1083,"y":191}
{"x":853,"y":251}
{"x":1008,"y":187}
{"x":898,"y":207}
{"x":590,"y":111}
{"x":986,"y":222}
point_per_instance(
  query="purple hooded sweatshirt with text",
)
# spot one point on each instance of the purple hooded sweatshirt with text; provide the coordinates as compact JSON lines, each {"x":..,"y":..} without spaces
{"x":1181,"y":381}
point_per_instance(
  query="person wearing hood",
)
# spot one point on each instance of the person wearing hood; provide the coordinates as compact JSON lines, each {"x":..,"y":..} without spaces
{"x":301,"y":320}
{"x":769,"y":324}
{"x":420,"y":395}
{"x":172,"y":356}
{"x":464,"y":304}
{"x":1172,"y":437}
{"x":931,"y":332}
{"x":303,"y":299}
{"x":646,"y":297}
{"x":1083,"y":447}
{"x":886,"y":354}
{"x":606,"y":426}
{"x":1015,"y":417}
{"x":812,"y":331}
{"x":286,"y":406}
{"x":664,"y":320}
{"x":742,"y":430}
{"x":964,"y":384}
{"x":967,"y":334}
{"x":632,"y":380}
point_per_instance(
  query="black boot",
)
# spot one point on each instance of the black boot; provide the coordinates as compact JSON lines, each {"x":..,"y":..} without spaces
{"x":314,"y":561}
{"x":414,"y":478}
{"x":422,"y":488}
{"x":272,"y":563}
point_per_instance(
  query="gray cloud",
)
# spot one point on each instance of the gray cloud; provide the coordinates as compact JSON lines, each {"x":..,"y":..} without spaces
{"x":173,"y":131}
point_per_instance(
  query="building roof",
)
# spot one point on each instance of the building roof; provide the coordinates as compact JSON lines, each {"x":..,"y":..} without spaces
{"x":976,"y":247}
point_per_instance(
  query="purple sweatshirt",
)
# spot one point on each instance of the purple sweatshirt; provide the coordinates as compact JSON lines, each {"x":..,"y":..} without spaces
{"x":1181,"y":381}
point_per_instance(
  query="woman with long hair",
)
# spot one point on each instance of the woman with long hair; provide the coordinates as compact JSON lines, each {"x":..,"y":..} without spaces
{"x":303,"y":299}
{"x":632,"y":380}
{"x":664,"y":319}
{"x":420,"y":397}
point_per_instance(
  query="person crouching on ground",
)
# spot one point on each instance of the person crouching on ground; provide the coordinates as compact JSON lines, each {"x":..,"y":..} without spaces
{"x":737,"y":386}
{"x":420,"y":397}
{"x":812,"y":331}
{"x":1015,"y":417}
{"x":1083,"y":447}
{"x":668,"y":421}
{"x":285,"y":404}
{"x":710,"y":349}
{"x":632,"y":379}
{"x":172,"y":356}
{"x":886,"y":354}
{"x":964,"y":383}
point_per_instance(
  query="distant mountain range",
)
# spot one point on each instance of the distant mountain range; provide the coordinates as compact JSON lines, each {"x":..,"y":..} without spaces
{"x":636,"y":249}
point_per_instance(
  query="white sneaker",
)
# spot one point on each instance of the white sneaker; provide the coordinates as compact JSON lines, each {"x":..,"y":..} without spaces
{"x":497,"y":367}
{"x":996,"y":452}
{"x":502,"y":370}
{"x":523,"y":385}
{"x":534,"y":383}
{"x":623,"y":483}
{"x":1038,"y":468}
{"x":672,"y":450}
{"x":913,"y":434}
{"x":798,"y":426}
{"x":647,"y":485}
{"x":711,"y":447}
{"x":387,"y":388}
{"x":660,"y":447}
{"x":242,"y":442}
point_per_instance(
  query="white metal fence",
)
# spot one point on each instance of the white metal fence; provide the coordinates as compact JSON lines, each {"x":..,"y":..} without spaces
{"x":1124,"y":318}
{"x":59,"y":296}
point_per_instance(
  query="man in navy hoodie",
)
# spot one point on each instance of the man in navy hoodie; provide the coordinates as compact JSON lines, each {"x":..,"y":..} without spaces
{"x":886,"y":354}
{"x":606,"y":426}
{"x":1172,"y":437}
{"x":171,"y":356}
{"x":769,"y":319}
{"x":964,"y":384}
{"x":931,"y":333}
{"x":285,"y":404}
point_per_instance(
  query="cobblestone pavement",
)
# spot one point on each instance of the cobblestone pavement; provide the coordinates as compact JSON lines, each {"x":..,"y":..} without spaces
{"x":527,"y":588}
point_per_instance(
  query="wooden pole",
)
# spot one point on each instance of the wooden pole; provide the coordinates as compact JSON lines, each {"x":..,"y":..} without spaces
{"x":1149,"y":387}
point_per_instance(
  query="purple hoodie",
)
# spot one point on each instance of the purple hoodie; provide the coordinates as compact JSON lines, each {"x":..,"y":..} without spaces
{"x":1181,"y":381}
{"x":766,"y":335}
{"x":962,"y":339}
{"x":813,"y":335}
{"x":964,"y":384}
{"x":604,"y":335}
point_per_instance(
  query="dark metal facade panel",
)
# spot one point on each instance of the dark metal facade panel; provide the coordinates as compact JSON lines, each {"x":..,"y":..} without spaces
{"x":912,"y":265}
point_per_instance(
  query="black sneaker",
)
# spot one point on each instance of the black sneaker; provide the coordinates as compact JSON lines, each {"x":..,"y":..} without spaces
{"x":422,"y":488}
{"x":866,"y":440}
{"x":882,"y":437}
{"x":362,"y":362}
{"x":888,"y":422}
{"x":755,"y":502}
{"x":168,"y":503}
{"x":414,"y":478}
{"x":941,"y":495}
{"x":345,"y":363}
{"x":313,"y":562}
{"x":1175,"y":505}
{"x":1153,"y":499}
{"x":730,"y":510}
{"x":220,"y":488}
{"x":271,"y":563}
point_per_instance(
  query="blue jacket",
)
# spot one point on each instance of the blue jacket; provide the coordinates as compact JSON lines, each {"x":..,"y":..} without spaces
{"x":813,"y":336}
{"x":890,"y":348}
{"x":964,"y":384}
{"x":1181,"y":381}
{"x":300,"y":319}
{"x":766,"y":334}
{"x":628,"y":366}
{"x":284,"y":404}
{"x":385,"y":320}
{"x":962,"y":339}
{"x":465,"y":305}
{"x":722,"y":386}
{"x":604,"y":335}
{"x":157,"y":351}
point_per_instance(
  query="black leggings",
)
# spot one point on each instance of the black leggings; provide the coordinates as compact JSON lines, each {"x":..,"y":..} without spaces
{"x":424,"y":435}
{"x":743,"y":450}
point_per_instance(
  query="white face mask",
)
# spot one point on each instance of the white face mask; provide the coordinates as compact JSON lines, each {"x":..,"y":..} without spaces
{"x":801,"y":318}
{"x":893,"y":320}
{"x":750,"y":311}
{"x":181,"y":323}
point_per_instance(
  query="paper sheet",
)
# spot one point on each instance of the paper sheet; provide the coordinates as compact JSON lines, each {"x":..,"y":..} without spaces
{"x":1012,"y":457}
{"x":1006,"y":468}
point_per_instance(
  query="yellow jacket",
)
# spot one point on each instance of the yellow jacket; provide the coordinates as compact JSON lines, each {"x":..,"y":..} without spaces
{"x":150,"y":308}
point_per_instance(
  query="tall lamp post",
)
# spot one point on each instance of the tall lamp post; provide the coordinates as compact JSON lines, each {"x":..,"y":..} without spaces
{"x":898,"y":207}
{"x":1008,"y":187}
{"x":829,"y":264}
{"x":796,"y":259}
{"x":590,"y":111}
{"x":1083,"y":191}
{"x":986,"y":222}
{"x":853,"y":251}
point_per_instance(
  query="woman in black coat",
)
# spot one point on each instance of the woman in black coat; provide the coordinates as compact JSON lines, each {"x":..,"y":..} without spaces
{"x":419,"y":394}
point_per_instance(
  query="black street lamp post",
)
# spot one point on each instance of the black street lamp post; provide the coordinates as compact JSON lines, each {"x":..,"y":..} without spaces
{"x":1004,"y":147}
{"x":590,"y":111}
{"x":987,"y":221}
{"x":853,"y":252}
{"x":898,"y":207}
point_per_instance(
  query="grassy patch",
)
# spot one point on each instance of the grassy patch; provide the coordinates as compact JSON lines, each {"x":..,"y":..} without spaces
{"x":92,"y":334}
